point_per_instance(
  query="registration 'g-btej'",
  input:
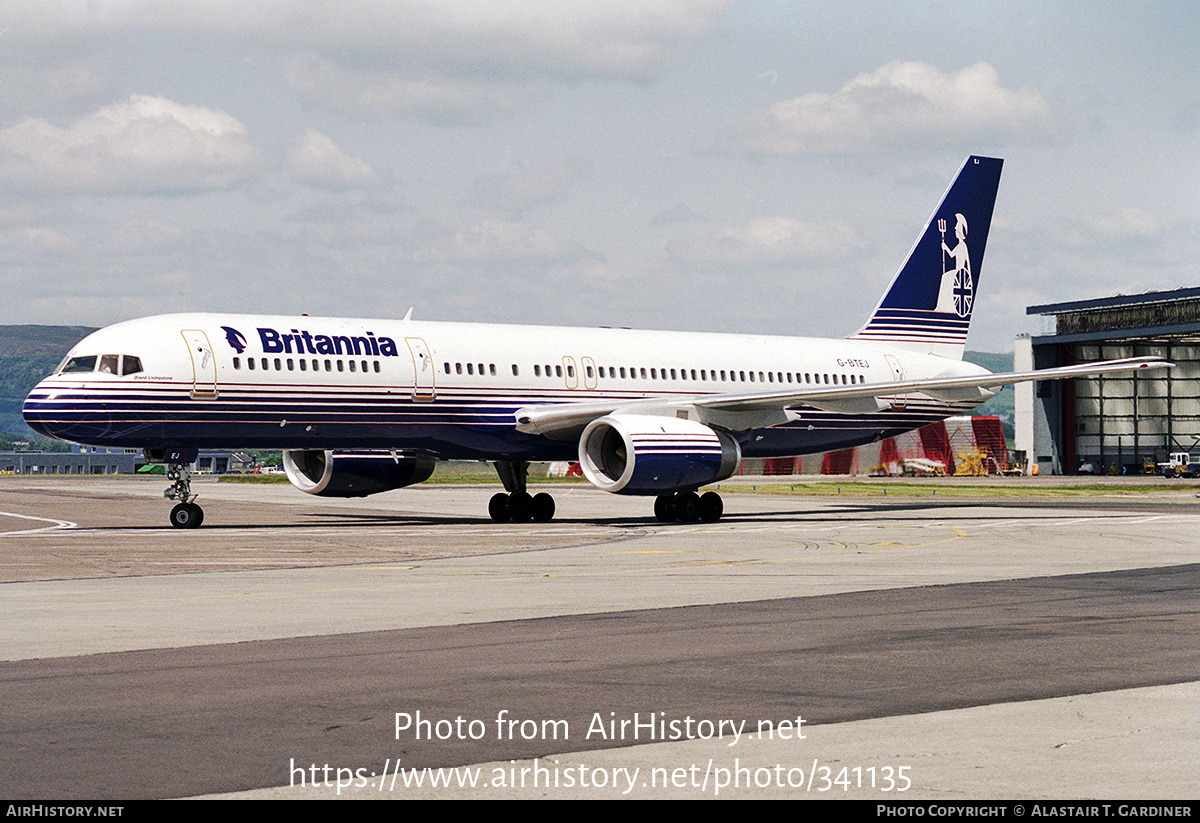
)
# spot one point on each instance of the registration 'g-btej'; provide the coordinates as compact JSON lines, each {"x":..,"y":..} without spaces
{"x":365,"y":406}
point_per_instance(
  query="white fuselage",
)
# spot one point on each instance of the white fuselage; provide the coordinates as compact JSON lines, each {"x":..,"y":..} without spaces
{"x":448,"y":389}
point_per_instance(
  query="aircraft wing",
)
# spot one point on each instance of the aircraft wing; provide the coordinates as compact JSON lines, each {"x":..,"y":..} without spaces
{"x":564,"y":420}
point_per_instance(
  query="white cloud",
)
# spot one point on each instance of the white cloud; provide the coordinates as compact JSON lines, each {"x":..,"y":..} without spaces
{"x":615,"y":38}
{"x":431,"y":96}
{"x":497,"y":240}
{"x":901,"y":102}
{"x":26,"y":85}
{"x":143,"y":144}
{"x":769,"y":241}
{"x":446,"y":60}
{"x":528,"y":188}
{"x":464,"y":38}
{"x":1124,"y":224}
{"x":36,"y":239}
{"x":1102,"y":231}
{"x":317,"y":162}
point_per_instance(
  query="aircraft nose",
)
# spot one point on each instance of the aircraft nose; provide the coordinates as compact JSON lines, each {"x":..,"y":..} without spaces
{"x":39,"y":411}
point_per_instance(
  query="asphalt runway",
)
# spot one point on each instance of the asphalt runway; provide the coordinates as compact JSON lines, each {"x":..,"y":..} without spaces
{"x":910,"y":648}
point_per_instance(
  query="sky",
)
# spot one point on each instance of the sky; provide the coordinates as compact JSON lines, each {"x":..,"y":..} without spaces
{"x":677,"y":164}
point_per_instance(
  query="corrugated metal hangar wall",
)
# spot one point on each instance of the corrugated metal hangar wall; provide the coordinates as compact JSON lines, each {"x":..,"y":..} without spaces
{"x":1112,"y":425}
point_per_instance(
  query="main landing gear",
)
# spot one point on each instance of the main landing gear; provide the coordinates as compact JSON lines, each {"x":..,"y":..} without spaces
{"x":515,"y":503}
{"x":688,"y":507}
{"x":185,"y":515}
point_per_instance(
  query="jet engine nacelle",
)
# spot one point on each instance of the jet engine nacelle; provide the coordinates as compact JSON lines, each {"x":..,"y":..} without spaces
{"x":354,"y":474}
{"x":647,"y":454}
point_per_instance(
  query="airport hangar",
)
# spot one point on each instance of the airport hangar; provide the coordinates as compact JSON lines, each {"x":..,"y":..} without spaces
{"x":1111,"y":424}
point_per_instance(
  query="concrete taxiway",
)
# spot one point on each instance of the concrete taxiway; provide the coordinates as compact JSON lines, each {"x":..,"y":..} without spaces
{"x":989,"y":647}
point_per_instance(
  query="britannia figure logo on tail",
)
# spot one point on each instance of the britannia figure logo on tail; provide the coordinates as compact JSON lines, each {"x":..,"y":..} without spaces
{"x":957,"y":291}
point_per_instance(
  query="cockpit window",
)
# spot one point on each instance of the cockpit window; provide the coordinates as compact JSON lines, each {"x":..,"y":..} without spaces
{"x":80,"y":364}
{"x":131,"y":364}
{"x":105,"y":364}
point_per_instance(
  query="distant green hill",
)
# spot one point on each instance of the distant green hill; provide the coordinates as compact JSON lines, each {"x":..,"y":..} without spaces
{"x":27,"y":354}
{"x":29,"y":341}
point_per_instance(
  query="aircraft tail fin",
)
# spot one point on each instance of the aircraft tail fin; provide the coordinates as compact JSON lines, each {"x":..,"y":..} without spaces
{"x":928,"y":305}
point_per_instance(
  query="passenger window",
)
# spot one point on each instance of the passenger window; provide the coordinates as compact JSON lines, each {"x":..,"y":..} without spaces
{"x":237,"y":363}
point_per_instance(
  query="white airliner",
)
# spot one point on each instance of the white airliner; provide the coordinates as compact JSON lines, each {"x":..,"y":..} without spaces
{"x":365,"y":406}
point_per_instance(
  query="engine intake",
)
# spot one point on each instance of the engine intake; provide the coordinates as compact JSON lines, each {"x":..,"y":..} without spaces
{"x":647,"y":454}
{"x":354,"y":474}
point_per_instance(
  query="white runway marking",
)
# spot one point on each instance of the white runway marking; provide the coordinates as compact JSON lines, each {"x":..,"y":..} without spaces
{"x":58,"y":524}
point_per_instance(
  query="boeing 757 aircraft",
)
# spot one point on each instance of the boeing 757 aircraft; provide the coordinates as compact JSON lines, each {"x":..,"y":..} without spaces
{"x":366,"y":406}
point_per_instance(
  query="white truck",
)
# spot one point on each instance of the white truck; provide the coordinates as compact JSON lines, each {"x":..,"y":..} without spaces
{"x":1180,"y":464}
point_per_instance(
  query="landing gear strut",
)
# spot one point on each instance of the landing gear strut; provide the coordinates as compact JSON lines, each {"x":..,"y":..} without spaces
{"x":688,"y":507}
{"x":185,"y":515}
{"x":518,"y":505}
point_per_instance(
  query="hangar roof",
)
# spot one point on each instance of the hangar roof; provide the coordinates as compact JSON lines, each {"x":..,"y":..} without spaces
{"x":1114,"y":302}
{"x":1160,"y":314}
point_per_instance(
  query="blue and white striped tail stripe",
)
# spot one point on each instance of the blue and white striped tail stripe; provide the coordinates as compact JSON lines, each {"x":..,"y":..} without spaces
{"x":915,"y":325}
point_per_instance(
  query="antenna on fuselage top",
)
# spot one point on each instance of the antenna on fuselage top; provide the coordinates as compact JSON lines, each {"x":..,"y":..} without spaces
{"x":408,"y":314}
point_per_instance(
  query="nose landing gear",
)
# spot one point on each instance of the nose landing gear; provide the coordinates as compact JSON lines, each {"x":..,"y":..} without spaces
{"x":186,"y":514}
